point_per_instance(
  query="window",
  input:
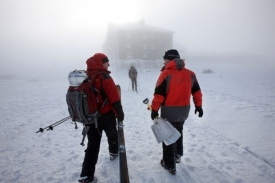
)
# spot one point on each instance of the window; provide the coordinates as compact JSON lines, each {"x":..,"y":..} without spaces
{"x":153,"y":46}
{"x":129,"y":54}
{"x":144,"y":46}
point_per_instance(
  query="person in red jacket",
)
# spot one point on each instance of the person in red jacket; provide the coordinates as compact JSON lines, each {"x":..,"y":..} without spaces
{"x":172,"y":95}
{"x":97,"y":70}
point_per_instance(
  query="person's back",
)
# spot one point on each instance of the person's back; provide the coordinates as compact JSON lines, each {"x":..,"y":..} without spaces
{"x":132,"y":72}
{"x":178,"y":89}
{"x":173,"y":91}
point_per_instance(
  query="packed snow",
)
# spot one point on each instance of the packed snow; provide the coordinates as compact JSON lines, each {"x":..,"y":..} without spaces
{"x":232,"y":143}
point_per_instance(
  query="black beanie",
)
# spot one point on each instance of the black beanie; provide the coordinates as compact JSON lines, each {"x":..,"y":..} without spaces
{"x":104,"y":60}
{"x":171,"y":54}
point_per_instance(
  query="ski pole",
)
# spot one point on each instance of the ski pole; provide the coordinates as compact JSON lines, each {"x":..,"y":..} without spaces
{"x":56,"y":124}
{"x":50,"y":127}
{"x":138,"y":86}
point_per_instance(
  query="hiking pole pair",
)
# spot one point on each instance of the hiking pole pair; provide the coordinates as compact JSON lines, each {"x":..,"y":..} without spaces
{"x":50,"y":127}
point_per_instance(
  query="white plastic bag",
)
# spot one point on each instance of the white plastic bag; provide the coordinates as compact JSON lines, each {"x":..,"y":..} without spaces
{"x":164,"y":131}
{"x":174,"y":137}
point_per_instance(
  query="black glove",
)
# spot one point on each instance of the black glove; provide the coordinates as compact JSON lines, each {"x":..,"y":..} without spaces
{"x":154,"y":114}
{"x":199,"y":110}
{"x":120,"y":115}
{"x":119,"y":119}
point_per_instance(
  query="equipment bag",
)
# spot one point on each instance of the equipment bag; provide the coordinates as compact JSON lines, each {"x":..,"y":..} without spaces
{"x":83,"y":103}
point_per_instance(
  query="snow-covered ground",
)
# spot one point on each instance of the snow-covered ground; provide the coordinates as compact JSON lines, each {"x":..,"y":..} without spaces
{"x":232,"y":143}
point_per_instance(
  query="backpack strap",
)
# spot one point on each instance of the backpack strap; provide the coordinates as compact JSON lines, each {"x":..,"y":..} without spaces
{"x":84,"y":133}
{"x":102,"y":91}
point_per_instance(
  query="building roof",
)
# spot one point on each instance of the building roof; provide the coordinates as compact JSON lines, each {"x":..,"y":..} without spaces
{"x":138,"y":26}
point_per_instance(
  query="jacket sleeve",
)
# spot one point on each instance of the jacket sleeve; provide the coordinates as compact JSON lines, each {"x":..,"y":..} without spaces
{"x":196,"y":92}
{"x":113,"y":96}
{"x":160,"y":93}
{"x":118,"y":110}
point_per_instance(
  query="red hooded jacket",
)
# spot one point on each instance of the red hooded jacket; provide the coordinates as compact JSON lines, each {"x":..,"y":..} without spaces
{"x":173,"y":91}
{"x":104,"y":83}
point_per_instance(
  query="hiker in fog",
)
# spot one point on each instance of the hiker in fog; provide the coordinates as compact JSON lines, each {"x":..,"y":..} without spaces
{"x":173,"y":91}
{"x":97,"y":70}
{"x":133,"y":76}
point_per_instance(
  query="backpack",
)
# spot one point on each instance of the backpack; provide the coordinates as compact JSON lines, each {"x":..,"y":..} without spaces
{"x":83,"y":101}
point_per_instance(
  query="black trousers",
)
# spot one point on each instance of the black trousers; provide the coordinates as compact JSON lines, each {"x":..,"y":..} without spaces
{"x":169,"y":152}
{"x":134,"y":83}
{"x":107,"y":123}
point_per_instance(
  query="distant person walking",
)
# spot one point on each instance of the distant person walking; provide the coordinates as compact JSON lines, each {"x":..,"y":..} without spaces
{"x":133,"y":76}
{"x":173,"y":91}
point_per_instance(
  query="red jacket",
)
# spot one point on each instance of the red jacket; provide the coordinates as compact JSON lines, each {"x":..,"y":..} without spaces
{"x":173,"y":91}
{"x":104,"y":83}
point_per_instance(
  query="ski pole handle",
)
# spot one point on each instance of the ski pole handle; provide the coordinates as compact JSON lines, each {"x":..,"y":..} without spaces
{"x":146,"y":101}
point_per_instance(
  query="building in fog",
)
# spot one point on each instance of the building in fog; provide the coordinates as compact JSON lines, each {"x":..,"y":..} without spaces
{"x":137,"y":43}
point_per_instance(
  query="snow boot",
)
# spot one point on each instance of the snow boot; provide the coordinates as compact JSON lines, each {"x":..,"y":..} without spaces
{"x":173,"y":171}
{"x":177,"y":158}
{"x":113,"y":156}
{"x":88,"y":179}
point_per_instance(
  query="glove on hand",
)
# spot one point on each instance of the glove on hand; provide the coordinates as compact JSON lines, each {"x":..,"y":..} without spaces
{"x":120,"y":115}
{"x":119,"y":119}
{"x":154,"y":114}
{"x":199,"y":110}
{"x":119,"y":111}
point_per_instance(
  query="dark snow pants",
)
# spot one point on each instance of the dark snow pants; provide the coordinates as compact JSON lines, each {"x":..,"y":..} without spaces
{"x":107,"y":123}
{"x":169,"y":152}
{"x":134,"y":83}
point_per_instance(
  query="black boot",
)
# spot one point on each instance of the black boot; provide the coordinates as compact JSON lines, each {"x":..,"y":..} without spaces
{"x":173,"y":171}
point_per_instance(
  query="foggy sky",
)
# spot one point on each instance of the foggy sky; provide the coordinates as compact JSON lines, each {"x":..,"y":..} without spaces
{"x":38,"y":36}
